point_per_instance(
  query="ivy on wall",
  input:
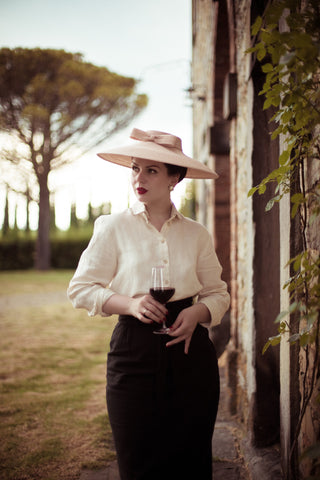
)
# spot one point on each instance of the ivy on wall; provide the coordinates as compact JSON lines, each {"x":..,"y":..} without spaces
{"x":287,"y":44}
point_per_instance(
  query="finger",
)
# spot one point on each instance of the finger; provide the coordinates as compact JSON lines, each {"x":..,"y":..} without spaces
{"x":156,"y":306}
{"x":175,"y":341}
{"x":151,"y":316}
{"x":187,"y":345}
{"x":177,"y":323}
{"x":154,"y":314}
{"x":158,"y":309}
{"x":178,"y":340}
{"x":145,"y":319}
{"x":175,"y":326}
{"x":178,"y":331}
{"x":143,"y":316}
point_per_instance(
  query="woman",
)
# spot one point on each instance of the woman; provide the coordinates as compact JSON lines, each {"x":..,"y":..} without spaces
{"x":162,"y":390}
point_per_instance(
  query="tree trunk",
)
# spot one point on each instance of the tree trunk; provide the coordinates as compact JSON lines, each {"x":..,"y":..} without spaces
{"x":5,"y":226}
{"x":27,"y":228}
{"x":42,"y":260}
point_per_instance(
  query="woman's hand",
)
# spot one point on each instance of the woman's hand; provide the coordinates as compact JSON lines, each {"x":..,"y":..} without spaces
{"x":186,"y":323}
{"x":148,"y":310}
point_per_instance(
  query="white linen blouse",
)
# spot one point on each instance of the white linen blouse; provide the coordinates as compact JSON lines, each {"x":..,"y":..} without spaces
{"x":125,"y":246}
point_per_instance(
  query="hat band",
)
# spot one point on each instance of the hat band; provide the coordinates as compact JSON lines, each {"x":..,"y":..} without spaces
{"x":165,"y":139}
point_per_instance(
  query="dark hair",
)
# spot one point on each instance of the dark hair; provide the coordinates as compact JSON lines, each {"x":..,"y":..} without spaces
{"x":175,"y":169}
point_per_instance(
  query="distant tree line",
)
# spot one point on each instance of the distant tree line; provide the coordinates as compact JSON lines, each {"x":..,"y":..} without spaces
{"x":18,"y":245}
{"x":75,"y":222}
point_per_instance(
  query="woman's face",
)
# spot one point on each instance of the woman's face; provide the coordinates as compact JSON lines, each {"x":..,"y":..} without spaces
{"x":150,"y":181}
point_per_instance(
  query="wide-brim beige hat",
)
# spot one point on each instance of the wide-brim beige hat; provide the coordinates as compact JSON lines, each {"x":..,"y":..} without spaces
{"x":160,"y":147}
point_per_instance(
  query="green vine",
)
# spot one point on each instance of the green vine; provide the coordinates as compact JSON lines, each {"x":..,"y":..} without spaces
{"x":287,"y":44}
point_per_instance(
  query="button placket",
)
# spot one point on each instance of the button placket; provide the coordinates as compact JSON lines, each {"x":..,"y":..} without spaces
{"x":165,"y":261}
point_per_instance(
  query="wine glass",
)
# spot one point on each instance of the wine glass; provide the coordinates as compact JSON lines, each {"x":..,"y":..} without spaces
{"x":160,"y":293}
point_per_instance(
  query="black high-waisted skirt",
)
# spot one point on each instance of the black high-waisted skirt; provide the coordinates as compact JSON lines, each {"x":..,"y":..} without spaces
{"x":162,"y":403}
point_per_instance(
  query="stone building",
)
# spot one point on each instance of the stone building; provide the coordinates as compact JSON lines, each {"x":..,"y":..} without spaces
{"x":232,"y":135}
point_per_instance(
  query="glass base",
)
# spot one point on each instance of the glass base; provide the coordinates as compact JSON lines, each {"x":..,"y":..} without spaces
{"x":162,"y":331}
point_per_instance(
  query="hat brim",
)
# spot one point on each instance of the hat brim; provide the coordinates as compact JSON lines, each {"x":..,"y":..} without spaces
{"x":152,"y":151}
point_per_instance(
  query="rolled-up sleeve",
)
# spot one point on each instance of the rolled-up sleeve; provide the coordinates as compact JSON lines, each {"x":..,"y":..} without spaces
{"x":89,"y":287}
{"x":214,"y":292}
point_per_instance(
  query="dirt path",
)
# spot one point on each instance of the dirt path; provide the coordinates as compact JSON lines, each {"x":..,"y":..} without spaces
{"x":12,"y":302}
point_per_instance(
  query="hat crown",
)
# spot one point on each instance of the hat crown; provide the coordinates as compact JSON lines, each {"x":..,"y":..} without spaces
{"x":161,"y":138}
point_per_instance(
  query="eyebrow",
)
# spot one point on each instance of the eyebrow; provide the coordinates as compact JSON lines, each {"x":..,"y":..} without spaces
{"x":148,"y":166}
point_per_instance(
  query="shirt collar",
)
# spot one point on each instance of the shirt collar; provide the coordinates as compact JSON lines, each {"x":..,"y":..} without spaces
{"x":139,"y":208}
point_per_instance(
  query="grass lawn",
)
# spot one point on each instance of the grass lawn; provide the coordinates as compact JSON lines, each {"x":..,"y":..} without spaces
{"x":32,"y":281}
{"x":52,"y":396}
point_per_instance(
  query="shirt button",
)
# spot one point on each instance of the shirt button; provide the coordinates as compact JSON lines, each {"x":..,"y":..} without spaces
{"x":165,"y":261}
{"x":162,"y":240}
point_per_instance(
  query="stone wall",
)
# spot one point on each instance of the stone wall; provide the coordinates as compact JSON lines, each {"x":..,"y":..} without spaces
{"x":202,"y":98}
{"x":260,"y":245}
{"x":242,"y":142}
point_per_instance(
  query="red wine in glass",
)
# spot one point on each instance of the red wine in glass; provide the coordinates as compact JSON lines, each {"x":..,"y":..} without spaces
{"x":160,"y":293}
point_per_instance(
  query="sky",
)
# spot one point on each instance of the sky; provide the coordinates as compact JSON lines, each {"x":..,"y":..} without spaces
{"x":149,"y":40}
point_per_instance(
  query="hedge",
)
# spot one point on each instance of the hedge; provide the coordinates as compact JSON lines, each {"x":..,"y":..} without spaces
{"x":19,"y":254}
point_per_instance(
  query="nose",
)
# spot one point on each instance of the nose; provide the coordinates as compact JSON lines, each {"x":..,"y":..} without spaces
{"x":140,"y":176}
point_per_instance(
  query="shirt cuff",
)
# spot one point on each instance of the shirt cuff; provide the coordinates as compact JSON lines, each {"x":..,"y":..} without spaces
{"x":215,"y":312}
{"x":101,"y":298}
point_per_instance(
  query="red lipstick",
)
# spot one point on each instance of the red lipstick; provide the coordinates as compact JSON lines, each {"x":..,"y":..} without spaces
{"x":141,"y":190}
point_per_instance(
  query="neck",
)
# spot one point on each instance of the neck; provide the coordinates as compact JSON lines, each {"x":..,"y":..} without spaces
{"x":159,"y":214}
